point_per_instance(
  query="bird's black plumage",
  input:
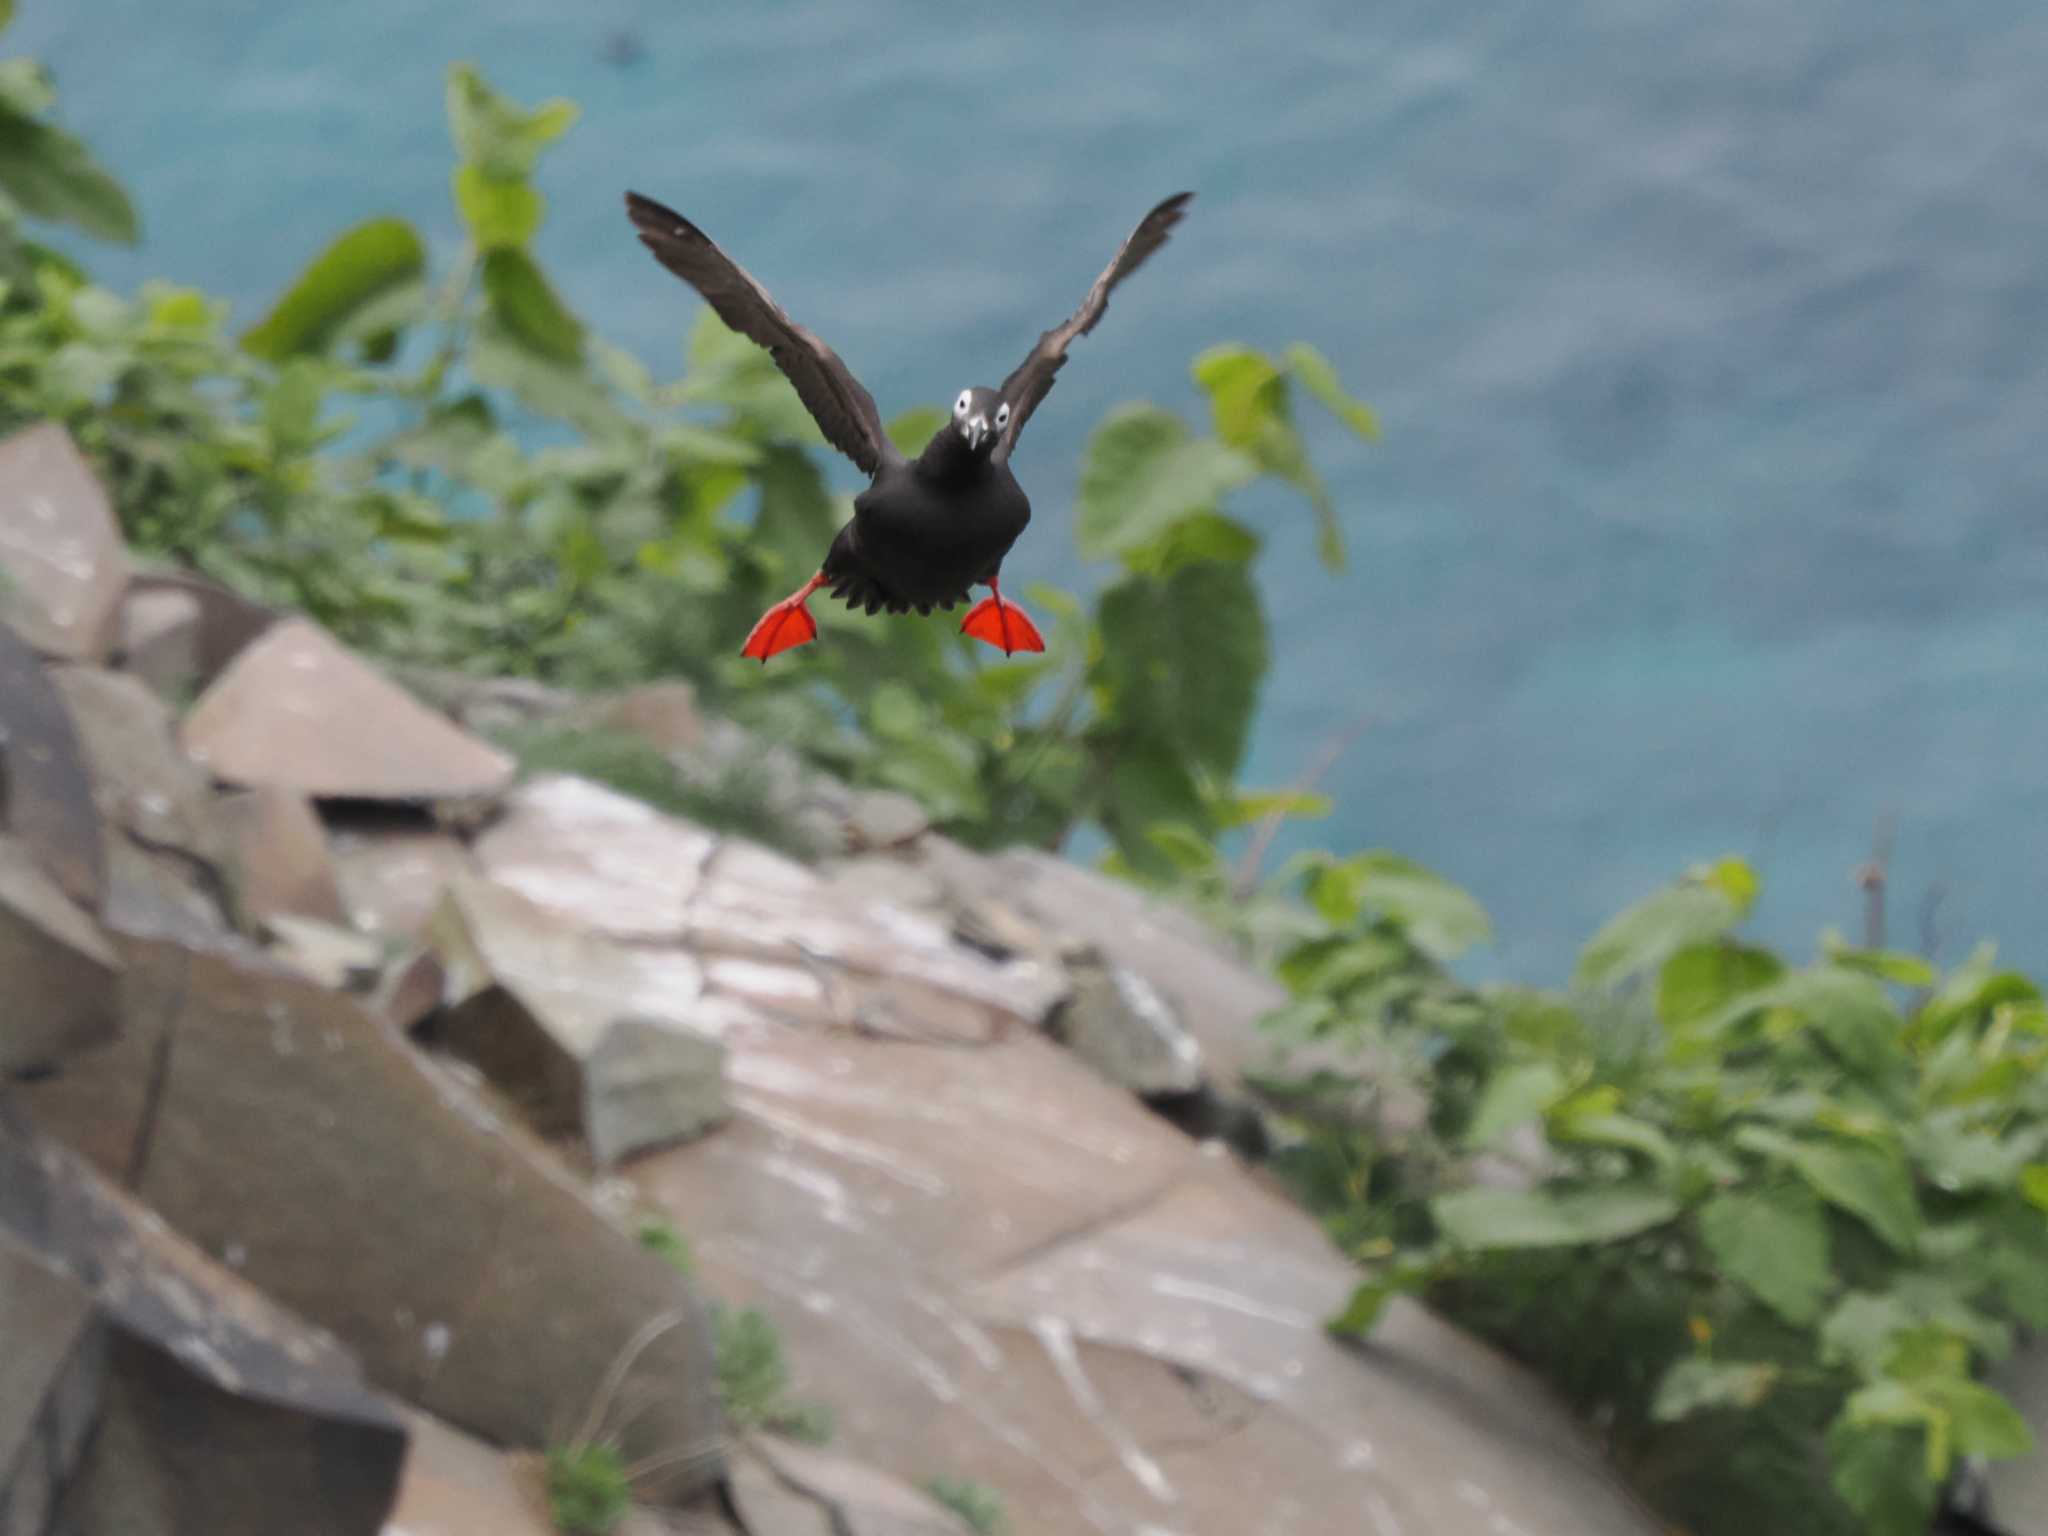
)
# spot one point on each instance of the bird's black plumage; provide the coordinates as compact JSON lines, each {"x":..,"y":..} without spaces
{"x":926,"y":529}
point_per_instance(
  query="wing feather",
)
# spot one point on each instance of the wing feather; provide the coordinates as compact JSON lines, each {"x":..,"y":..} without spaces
{"x":1033,"y":377}
{"x":845,"y":412}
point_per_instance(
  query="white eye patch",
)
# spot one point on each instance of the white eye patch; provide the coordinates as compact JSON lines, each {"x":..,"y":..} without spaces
{"x":1002,"y":416}
{"x":960,"y":405}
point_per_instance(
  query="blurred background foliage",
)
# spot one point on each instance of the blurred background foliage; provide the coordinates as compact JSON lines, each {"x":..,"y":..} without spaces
{"x":1764,"y":1225}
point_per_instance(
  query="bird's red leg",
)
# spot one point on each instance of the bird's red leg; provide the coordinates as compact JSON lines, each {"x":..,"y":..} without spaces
{"x":1003,"y":625}
{"x":785,"y":626}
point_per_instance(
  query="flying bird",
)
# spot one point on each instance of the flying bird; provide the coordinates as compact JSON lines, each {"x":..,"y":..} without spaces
{"x":926,"y":529}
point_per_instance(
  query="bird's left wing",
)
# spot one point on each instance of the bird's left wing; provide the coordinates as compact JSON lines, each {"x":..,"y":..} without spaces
{"x":1033,"y":377}
{"x":844,"y":411}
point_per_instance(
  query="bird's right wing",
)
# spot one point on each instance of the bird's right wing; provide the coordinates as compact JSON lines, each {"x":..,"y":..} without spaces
{"x":844,"y":411}
{"x":1032,"y":378}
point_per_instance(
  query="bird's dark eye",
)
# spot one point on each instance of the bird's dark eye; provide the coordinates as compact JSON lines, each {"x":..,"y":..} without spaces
{"x":1002,"y":417}
{"x":960,"y":406}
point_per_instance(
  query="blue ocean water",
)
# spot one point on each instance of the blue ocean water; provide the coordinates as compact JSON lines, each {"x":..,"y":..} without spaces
{"x":1711,"y":344}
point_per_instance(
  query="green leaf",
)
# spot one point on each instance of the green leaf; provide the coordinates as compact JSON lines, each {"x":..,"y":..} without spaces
{"x":1733,"y":878}
{"x":1143,"y":473}
{"x":1182,"y":658}
{"x":1863,"y":1178}
{"x":1972,"y":990}
{"x":1694,"y":1386}
{"x":914,"y":428}
{"x":1513,"y":1096}
{"x":1320,"y":379}
{"x":499,"y":212}
{"x":1885,"y":964}
{"x":368,"y":261}
{"x":1251,"y":406}
{"x":1649,"y":932}
{"x":1774,"y":1243}
{"x":1611,"y":1130}
{"x":1980,"y":1421}
{"x":1369,"y":1299}
{"x":526,"y":306}
{"x":1504,"y":1218}
{"x":1702,"y":979}
{"x":1880,"y":1473}
{"x":50,"y":175}
{"x":1848,"y":1010}
{"x":1257,"y":805}
{"x":495,"y":134}
{"x":25,"y":86}
{"x":2034,"y":1184}
{"x":1439,"y":918}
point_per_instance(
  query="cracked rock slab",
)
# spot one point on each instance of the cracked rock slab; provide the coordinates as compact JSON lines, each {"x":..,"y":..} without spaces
{"x":594,"y":857}
{"x":296,"y":710}
{"x":60,"y":549}
{"x":588,"y":1036}
{"x":299,"y":1136}
{"x":785,"y":1489}
{"x":211,"y":1409}
{"x":994,"y":1264}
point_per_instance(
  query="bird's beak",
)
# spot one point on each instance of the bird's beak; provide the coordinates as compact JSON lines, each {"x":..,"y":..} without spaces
{"x":974,"y":429}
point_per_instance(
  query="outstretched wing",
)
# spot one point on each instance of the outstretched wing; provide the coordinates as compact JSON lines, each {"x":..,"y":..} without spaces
{"x":844,"y":411}
{"x":1027,"y":386}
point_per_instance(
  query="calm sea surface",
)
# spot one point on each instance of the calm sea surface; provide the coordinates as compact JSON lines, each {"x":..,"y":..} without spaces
{"x":1711,"y":344}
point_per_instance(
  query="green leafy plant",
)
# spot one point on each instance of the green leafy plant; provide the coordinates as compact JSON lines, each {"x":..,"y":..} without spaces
{"x":753,"y":1380}
{"x":367,"y":453}
{"x":659,"y":1236}
{"x":589,"y":1492}
{"x":1756,"y":1218}
{"x":976,"y":1503}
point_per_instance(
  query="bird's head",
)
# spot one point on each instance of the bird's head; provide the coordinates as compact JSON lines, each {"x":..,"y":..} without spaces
{"x":979,"y":416}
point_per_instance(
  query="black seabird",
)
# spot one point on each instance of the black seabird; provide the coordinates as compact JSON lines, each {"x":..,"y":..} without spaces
{"x":925,"y":529}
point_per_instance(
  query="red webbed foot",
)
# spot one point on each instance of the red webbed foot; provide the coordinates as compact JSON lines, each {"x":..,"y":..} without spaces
{"x":785,"y":626}
{"x":1002,"y":624}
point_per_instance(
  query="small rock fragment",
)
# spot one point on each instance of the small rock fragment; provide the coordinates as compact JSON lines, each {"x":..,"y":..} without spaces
{"x":160,"y":634}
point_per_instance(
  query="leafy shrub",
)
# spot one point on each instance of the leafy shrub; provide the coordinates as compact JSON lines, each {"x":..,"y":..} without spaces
{"x":367,"y":451}
{"x":1756,"y":1219}
{"x":588,"y":1489}
{"x":753,"y":1380}
{"x":976,"y":1503}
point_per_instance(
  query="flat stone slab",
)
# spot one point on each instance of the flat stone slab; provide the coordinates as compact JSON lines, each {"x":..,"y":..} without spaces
{"x":215,"y":1410}
{"x":47,"y":803}
{"x":392,"y":877}
{"x":597,"y":858}
{"x":59,"y":980}
{"x":298,"y":1137}
{"x":296,"y":710}
{"x":587,"y":1035}
{"x":993,"y":1264}
{"x":61,"y":554}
